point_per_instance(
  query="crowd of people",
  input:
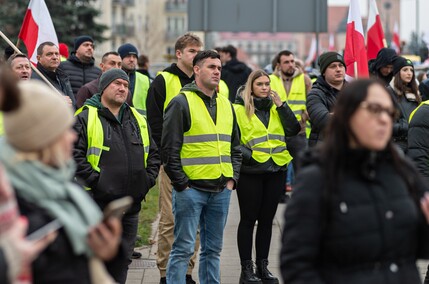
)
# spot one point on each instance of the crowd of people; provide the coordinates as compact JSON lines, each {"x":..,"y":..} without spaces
{"x":204,"y":127}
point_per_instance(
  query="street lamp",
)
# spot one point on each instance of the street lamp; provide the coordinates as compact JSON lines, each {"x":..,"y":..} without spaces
{"x":387,"y":6}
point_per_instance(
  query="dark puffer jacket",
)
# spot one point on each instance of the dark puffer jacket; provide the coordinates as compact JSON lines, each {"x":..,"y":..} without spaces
{"x":418,"y":140}
{"x":122,"y":167}
{"x":371,"y":231}
{"x":58,"y":79}
{"x":290,"y":125}
{"x":320,"y":103}
{"x":79,"y":73}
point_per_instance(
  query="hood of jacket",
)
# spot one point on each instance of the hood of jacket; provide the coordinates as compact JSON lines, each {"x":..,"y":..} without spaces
{"x":236,"y":66}
{"x":73,"y":58}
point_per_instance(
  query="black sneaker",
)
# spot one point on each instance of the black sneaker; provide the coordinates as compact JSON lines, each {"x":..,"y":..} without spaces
{"x":189,"y":279}
{"x":136,"y":255}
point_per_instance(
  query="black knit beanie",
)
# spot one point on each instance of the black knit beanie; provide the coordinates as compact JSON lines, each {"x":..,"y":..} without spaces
{"x":401,"y":62}
{"x":81,"y":39}
{"x":327,"y":58}
{"x":127,"y":49}
{"x":109,"y":76}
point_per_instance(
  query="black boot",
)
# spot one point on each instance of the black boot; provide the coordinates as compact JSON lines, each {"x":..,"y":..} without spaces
{"x":247,"y":274}
{"x":263,"y":272}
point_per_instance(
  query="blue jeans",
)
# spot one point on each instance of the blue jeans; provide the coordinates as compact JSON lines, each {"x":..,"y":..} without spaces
{"x":191,"y":208}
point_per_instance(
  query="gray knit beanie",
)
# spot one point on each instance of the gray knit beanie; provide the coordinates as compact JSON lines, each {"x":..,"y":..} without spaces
{"x":41,"y":118}
{"x":327,"y":58}
{"x":109,"y":76}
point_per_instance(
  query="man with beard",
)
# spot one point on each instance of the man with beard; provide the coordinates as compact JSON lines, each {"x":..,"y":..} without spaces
{"x":139,"y":83}
{"x":382,"y":66}
{"x":322,"y":97}
{"x":292,"y":85}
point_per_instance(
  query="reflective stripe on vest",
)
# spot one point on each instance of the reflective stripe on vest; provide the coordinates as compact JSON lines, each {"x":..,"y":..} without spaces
{"x":414,"y":111}
{"x":172,"y":86}
{"x":140,"y":91}
{"x":223,"y":89}
{"x":264,"y":142}
{"x":206,"y":149}
{"x":297,"y":94}
{"x":95,"y":135}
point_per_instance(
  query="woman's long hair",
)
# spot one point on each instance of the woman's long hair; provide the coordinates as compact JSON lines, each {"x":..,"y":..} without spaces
{"x":401,"y":87}
{"x":247,"y":92}
{"x":334,"y":150}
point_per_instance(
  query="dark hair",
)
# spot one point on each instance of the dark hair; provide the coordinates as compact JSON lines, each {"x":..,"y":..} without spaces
{"x":107,"y":54}
{"x":231,"y":50}
{"x":16,"y":55}
{"x":337,"y":136}
{"x":202,"y":55}
{"x":283,"y":52}
{"x":9,"y":90}
{"x":42,"y":45}
{"x":142,"y":60}
{"x":403,"y":87}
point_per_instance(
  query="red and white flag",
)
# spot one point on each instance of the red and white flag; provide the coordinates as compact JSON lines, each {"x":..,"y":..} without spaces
{"x":312,"y":53}
{"x":331,"y":46}
{"x":396,"y":42}
{"x":355,"y":51}
{"x":374,"y":33}
{"x":37,"y":28}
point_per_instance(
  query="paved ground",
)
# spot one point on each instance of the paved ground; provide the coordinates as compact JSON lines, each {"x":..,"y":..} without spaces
{"x":144,"y":271}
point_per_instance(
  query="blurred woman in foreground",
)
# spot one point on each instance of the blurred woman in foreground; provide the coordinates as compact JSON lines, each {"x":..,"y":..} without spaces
{"x":355,"y":215}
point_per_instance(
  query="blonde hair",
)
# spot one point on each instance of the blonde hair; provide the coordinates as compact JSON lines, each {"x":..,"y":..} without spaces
{"x":247,"y":93}
{"x":52,"y":155}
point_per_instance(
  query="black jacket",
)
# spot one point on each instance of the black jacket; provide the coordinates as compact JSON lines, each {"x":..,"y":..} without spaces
{"x":58,"y":79}
{"x":122,"y":169}
{"x":156,"y":98}
{"x":418,"y":140}
{"x":79,"y":73}
{"x":400,"y":127}
{"x":177,"y":121}
{"x":57,"y":263}
{"x":424,"y":89}
{"x":290,"y":125}
{"x":371,"y":231}
{"x":320,"y":103}
{"x":235,"y":74}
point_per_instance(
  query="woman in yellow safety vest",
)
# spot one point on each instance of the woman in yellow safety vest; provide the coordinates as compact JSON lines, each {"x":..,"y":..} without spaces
{"x":264,"y":121}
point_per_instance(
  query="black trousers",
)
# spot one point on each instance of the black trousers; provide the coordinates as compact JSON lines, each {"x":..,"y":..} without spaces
{"x":258,"y":197}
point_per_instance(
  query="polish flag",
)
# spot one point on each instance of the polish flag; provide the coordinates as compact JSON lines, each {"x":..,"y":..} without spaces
{"x":374,"y":34}
{"x":312,"y":52}
{"x":396,"y":42}
{"x":37,"y":28}
{"x":355,"y":51}
{"x":331,"y":46}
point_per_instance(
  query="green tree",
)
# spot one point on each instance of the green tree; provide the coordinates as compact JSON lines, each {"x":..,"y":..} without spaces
{"x":71,"y":18}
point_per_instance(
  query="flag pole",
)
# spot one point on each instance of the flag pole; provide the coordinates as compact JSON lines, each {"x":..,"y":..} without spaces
{"x":31,"y":64}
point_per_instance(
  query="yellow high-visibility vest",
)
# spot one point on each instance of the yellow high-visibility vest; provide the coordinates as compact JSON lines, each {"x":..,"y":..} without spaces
{"x":172,"y":86}
{"x":264,"y":142}
{"x":140,"y":91}
{"x":95,"y":135}
{"x":223,"y":89}
{"x":206,"y":149}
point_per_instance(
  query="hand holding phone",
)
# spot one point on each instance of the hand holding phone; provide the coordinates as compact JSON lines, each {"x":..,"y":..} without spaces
{"x":44,"y":231}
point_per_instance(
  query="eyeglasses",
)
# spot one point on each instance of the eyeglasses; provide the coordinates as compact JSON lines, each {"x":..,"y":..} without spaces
{"x":376,"y":110}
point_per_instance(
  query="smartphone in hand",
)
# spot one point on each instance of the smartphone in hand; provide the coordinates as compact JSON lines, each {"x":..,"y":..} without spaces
{"x":44,"y":231}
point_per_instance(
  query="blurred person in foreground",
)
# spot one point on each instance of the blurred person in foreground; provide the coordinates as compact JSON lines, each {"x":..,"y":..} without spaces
{"x":356,"y":214}
{"x":37,"y":156}
{"x":264,"y":122}
{"x":16,"y":253}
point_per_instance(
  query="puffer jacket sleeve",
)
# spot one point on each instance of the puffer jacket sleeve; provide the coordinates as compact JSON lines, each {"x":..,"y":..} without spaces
{"x":85,"y":174}
{"x":302,"y":232}
{"x":153,"y":162}
{"x":318,"y":109}
{"x":418,"y":140}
